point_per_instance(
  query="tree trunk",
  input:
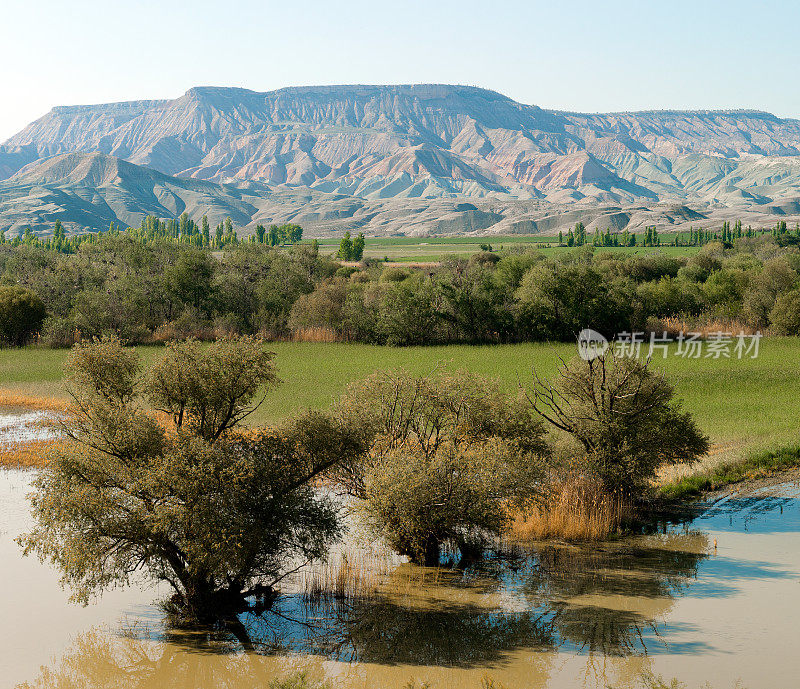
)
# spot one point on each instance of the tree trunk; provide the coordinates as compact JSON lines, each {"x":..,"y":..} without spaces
{"x":433,"y":551}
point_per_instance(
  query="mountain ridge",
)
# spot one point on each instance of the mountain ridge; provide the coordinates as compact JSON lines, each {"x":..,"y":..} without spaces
{"x":430,"y":141}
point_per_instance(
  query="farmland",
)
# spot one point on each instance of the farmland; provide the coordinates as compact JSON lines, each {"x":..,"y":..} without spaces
{"x":747,"y":403}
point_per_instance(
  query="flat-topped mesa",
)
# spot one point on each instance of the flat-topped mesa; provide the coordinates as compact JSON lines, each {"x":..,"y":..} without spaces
{"x":431,"y":141}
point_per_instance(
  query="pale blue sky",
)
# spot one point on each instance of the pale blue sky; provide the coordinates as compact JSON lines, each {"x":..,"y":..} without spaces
{"x":588,"y":56}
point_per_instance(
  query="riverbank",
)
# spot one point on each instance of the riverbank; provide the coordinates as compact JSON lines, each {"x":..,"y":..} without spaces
{"x":755,"y":470}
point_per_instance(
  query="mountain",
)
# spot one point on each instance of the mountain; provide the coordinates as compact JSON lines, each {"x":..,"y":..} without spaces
{"x":357,"y":154}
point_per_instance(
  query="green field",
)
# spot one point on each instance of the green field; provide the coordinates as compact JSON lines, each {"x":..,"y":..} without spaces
{"x":743,"y":404}
{"x":431,"y":249}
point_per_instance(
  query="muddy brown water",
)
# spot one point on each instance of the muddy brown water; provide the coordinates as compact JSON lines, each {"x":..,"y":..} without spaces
{"x":668,"y":603}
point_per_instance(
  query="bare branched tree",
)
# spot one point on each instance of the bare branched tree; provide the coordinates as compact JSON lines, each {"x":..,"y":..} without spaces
{"x":623,"y":416}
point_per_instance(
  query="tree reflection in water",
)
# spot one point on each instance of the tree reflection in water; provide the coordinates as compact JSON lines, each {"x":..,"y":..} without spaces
{"x":600,"y":600}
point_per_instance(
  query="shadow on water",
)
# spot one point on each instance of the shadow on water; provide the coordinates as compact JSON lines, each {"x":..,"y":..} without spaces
{"x":599,"y":601}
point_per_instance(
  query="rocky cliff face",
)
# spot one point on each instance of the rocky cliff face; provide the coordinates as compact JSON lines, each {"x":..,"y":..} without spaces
{"x":379,"y":143}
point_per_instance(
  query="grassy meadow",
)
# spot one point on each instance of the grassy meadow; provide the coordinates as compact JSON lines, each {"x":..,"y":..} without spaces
{"x":742,"y":404}
{"x":432,"y":249}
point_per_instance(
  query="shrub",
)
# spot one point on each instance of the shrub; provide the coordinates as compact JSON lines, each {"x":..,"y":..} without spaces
{"x":21,"y":315}
{"x":321,"y":309}
{"x":785,"y":315}
{"x":394,"y":274}
{"x":59,"y":333}
{"x":775,"y":278}
{"x":446,"y":454}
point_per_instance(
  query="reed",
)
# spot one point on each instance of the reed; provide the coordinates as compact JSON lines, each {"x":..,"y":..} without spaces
{"x":704,"y":325}
{"x":11,"y":398}
{"x":26,"y":455}
{"x":316,"y":334}
{"x":577,"y":509}
{"x":350,"y":576}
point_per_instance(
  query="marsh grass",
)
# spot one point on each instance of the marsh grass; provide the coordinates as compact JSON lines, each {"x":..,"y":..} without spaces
{"x":364,"y":574}
{"x":20,"y":400}
{"x":351,"y":575}
{"x":577,"y":509}
{"x":316,"y":334}
{"x":26,"y":455}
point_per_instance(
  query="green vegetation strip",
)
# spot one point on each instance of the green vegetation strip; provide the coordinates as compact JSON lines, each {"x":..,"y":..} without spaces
{"x":750,"y":403}
{"x":755,"y":466}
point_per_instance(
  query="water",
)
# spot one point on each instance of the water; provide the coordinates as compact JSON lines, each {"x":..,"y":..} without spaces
{"x":668,"y":602}
{"x":26,"y":426}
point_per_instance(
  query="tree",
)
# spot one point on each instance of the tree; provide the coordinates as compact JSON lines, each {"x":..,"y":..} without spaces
{"x":785,"y":315}
{"x":345,"y":252}
{"x":217,"y":513}
{"x":358,"y":248}
{"x":447,"y":454}
{"x":191,"y":279}
{"x":21,"y":315}
{"x":260,"y":233}
{"x":206,"y":231}
{"x":623,"y":417}
{"x":559,"y":300}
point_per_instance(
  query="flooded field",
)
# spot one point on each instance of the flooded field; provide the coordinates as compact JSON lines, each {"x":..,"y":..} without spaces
{"x":715,"y":599}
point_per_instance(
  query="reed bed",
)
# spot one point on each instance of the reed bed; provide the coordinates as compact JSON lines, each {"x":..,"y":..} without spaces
{"x":31,"y":454}
{"x":577,"y":509}
{"x":352,"y":575}
{"x":704,"y":325}
{"x":316,"y":334}
{"x":18,"y":400}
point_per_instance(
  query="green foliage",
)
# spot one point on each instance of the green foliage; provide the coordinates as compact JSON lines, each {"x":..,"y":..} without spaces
{"x":146,"y":285}
{"x":351,"y":249}
{"x":190,"y":280}
{"x":209,"y":389}
{"x":215,"y":513}
{"x":785,"y":315}
{"x":559,"y":301}
{"x":21,"y":315}
{"x":623,"y":417}
{"x":447,"y":454}
{"x":345,"y":248}
{"x":358,"y":248}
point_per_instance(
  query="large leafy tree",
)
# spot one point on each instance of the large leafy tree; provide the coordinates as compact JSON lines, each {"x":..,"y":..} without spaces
{"x":182,"y":496}
{"x":21,"y":315}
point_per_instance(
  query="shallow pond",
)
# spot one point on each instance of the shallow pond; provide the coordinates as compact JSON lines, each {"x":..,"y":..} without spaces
{"x":670,"y":602}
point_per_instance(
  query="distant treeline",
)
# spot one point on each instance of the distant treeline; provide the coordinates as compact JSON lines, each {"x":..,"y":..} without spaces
{"x":651,"y":237}
{"x":183,"y":230}
{"x":151,"y":291}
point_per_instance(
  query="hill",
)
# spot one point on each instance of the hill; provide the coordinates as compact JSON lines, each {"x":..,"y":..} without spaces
{"x":398,"y":158}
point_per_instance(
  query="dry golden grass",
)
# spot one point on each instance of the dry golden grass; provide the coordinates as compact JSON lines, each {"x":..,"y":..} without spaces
{"x":31,"y":454}
{"x":315,"y":334}
{"x":10,"y":398}
{"x":578,"y":509}
{"x":365,"y":574}
{"x":353,"y":575}
{"x":704,"y":325}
